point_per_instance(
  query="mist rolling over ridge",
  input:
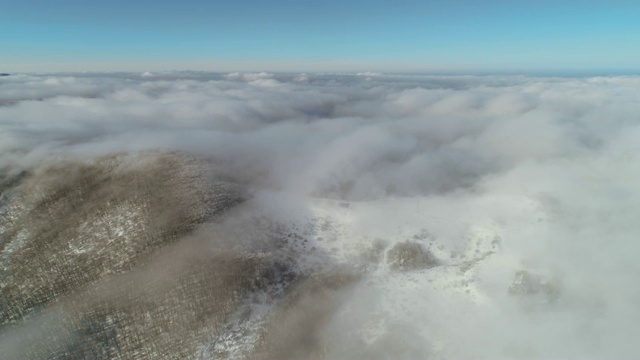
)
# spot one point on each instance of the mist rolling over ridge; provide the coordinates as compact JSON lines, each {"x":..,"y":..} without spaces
{"x":195,"y":215}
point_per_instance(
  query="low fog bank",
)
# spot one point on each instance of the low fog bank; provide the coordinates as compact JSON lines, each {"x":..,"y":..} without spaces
{"x":434,"y":217}
{"x":357,"y":137}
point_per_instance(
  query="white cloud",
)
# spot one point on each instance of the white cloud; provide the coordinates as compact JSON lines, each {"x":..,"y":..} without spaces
{"x":548,"y":165}
{"x":238,"y":76}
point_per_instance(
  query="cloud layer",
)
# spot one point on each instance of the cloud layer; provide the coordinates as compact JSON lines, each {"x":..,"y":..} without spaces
{"x":366,"y":136}
{"x":547,"y":165}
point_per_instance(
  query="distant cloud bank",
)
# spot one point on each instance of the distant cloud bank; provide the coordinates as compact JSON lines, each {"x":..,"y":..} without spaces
{"x":368,"y":134}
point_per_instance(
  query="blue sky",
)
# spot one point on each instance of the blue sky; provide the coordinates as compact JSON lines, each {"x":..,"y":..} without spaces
{"x":303,"y":35}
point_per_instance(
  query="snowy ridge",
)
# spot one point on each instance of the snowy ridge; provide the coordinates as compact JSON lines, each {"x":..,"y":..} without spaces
{"x":360,"y":236}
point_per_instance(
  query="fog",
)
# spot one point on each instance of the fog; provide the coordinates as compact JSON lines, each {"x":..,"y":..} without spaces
{"x":501,"y":174}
